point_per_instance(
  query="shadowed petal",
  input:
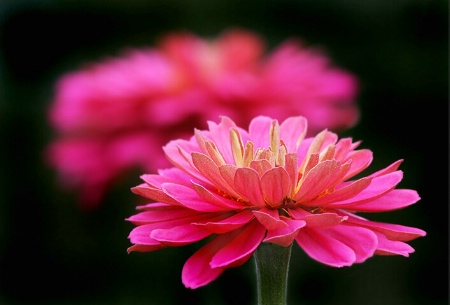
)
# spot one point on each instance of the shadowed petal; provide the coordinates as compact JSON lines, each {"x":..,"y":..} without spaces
{"x":197,"y":271}
{"x":394,"y":200}
{"x":379,"y":186}
{"x":229,"y":224}
{"x":240,"y":247}
{"x":269,"y":218}
{"x":325,"y":249}
{"x":321,"y":220}
{"x":361,"y":240}
{"x":285,"y":236}
{"x":392,"y":247}
{"x":391,"y":231}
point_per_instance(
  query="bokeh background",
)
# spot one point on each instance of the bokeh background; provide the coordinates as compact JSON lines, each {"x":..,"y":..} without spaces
{"x":51,"y":252}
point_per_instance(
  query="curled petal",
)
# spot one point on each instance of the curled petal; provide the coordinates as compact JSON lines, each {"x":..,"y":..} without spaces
{"x":360,"y":159}
{"x":285,"y":236}
{"x":325,"y":249}
{"x":269,"y":218}
{"x":391,"y":231}
{"x":378,"y":187}
{"x":321,"y":220}
{"x":229,"y":224}
{"x":394,"y":200}
{"x":240,"y":246}
{"x":392,"y":247}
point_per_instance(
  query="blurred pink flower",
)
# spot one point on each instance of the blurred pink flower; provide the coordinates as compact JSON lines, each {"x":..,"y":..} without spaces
{"x":238,"y":189}
{"x":114,"y":115}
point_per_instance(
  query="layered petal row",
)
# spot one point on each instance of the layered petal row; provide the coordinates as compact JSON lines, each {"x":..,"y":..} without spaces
{"x":234,"y":188}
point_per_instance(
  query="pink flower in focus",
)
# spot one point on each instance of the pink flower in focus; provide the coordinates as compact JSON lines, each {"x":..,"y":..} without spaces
{"x":115,"y":115}
{"x":234,"y":189}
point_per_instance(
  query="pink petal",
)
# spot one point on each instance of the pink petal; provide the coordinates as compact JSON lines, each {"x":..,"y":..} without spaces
{"x":361,"y":240}
{"x":392,"y":247}
{"x":394,"y":200}
{"x":317,"y":180}
{"x":260,"y":166}
{"x":156,"y":212}
{"x":209,"y":170}
{"x":179,"y":235}
{"x":343,"y":193}
{"x":229,"y":224}
{"x":145,"y":248}
{"x":146,"y":191}
{"x":391,"y":231}
{"x":246,"y":182}
{"x":219,"y":201}
{"x":188,"y":198}
{"x":389,"y":169}
{"x":379,"y":186}
{"x":285,"y":236}
{"x":293,"y":131}
{"x":269,"y":218}
{"x":141,"y":235}
{"x":240,"y":247}
{"x":259,"y":130}
{"x":291,"y":167}
{"x":321,"y":220}
{"x":325,"y":249}
{"x":221,"y":135}
{"x":361,"y":159}
{"x":276,"y":185}
{"x":196,"y":271}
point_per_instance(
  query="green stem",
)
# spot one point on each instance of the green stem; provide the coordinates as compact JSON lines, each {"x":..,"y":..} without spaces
{"x":272,"y":266}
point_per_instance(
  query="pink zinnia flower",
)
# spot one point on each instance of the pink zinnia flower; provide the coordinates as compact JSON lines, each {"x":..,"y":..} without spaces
{"x":109,"y":116}
{"x":235,"y":189}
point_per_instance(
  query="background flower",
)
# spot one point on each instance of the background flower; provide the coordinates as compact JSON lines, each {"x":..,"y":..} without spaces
{"x":110,"y":115}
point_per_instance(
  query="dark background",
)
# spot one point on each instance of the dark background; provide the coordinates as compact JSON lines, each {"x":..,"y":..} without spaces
{"x":51,"y":252}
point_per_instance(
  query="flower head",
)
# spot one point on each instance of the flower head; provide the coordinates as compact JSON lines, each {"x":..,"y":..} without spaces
{"x":110,"y":115}
{"x":234,"y":189}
